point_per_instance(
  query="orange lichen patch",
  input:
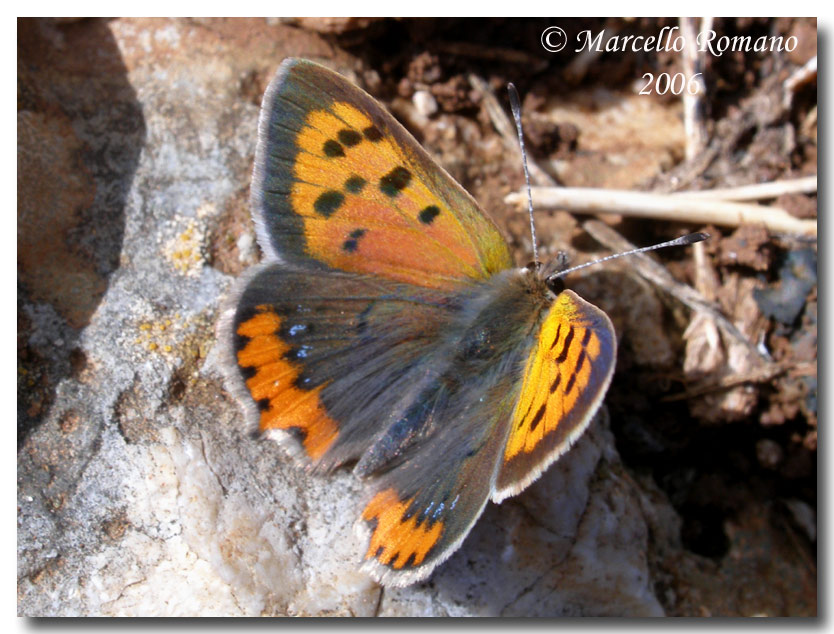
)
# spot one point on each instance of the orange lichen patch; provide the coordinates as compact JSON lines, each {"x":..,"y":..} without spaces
{"x":163,"y":335}
{"x":185,"y":252}
{"x":557,"y":372}
{"x":273,"y":386}
{"x":396,"y":541}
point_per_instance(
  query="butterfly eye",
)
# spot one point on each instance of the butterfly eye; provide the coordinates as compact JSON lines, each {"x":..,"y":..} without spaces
{"x":555,"y":284}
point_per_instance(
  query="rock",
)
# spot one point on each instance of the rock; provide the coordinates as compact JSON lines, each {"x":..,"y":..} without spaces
{"x":424,"y":102}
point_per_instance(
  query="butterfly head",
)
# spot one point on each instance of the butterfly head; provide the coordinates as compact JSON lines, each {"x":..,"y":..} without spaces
{"x":548,"y":273}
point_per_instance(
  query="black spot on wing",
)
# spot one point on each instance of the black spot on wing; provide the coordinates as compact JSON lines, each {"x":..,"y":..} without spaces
{"x":299,"y":433}
{"x":565,"y":347}
{"x":538,"y":417}
{"x":580,"y":360}
{"x":395,"y":181}
{"x":556,"y":338}
{"x":355,"y":184}
{"x":328,"y":203}
{"x":349,"y":138}
{"x":352,"y":243}
{"x":526,"y":414}
{"x":333,"y":149}
{"x":372,"y":134}
{"x":555,"y":385}
{"x":428,"y":214}
{"x":571,"y":381}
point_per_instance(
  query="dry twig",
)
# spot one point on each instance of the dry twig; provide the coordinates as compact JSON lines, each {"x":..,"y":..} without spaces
{"x":759,"y":191}
{"x":761,"y":374}
{"x":693,"y":103}
{"x":506,"y":129}
{"x":799,"y":78}
{"x":678,"y":208}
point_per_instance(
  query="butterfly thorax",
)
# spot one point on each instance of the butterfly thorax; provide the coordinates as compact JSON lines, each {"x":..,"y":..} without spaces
{"x":498,"y":315}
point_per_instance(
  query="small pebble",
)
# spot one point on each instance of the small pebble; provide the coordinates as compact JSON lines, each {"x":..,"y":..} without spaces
{"x":424,"y":103}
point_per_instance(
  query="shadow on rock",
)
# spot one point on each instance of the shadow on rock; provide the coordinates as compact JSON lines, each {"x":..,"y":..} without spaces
{"x":80,"y":130}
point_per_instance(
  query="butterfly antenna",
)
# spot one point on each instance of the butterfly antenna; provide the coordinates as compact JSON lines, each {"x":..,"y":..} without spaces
{"x":515,"y":105}
{"x":688,"y":239}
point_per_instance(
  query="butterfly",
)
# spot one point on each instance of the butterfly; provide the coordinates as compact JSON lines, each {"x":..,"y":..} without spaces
{"x":387,"y":327}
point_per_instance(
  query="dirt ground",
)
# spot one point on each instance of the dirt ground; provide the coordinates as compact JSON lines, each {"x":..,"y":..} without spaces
{"x":727,"y":432}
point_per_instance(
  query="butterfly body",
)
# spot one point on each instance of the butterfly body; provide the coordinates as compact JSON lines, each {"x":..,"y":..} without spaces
{"x":387,"y":328}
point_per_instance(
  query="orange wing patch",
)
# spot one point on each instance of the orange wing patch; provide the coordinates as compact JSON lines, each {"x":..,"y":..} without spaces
{"x":397,"y":540}
{"x":273,"y":385}
{"x":558,"y":370}
{"x":367,"y":208}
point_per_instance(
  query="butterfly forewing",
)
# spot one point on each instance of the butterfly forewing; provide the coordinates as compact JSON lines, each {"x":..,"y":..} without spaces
{"x":339,"y":182}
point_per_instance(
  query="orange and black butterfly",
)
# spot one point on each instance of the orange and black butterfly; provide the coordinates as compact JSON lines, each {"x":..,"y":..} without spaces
{"x":387,"y":327}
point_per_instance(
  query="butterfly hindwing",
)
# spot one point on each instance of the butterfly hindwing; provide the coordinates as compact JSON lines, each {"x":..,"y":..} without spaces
{"x":339,"y":182}
{"x":564,"y":381}
{"x":327,"y":356}
{"x":423,"y":508}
